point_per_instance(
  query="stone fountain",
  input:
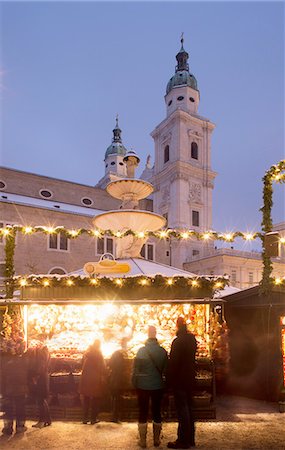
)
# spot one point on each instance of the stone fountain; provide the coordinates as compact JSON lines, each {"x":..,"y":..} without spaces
{"x":129,"y":190}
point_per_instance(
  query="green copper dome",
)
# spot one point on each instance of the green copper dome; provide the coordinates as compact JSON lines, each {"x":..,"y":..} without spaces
{"x":182,"y":75}
{"x":117,"y":147}
{"x":182,"y":78}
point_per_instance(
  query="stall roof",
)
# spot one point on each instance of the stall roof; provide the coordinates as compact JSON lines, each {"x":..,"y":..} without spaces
{"x":247,"y":298}
{"x":141,"y":266}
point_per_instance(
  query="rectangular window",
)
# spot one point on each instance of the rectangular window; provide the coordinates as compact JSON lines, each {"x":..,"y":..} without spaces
{"x":166,"y":154}
{"x":147,"y":251}
{"x":63,"y":242}
{"x":234,"y":277}
{"x":150,"y":252}
{"x":53,"y":241}
{"x":195,"y":218}
{"x":105,"y":245}
{"x":109,"y":245}
{"x":250,"y":278}
{"x":165,"y":215}
{"x":100,"y":246}
{"x":58,"y":242}
{"x":195,"y":252}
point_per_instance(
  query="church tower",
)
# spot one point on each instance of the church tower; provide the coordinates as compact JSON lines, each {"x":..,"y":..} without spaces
{"x":183,"y":178}
{"x":115,"y":167}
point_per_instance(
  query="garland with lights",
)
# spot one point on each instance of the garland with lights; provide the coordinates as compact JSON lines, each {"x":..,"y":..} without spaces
{"x":276,"y":173}
{"x":10,"y":244}
{"x":132,"y":287}
{"x":163,"y":234}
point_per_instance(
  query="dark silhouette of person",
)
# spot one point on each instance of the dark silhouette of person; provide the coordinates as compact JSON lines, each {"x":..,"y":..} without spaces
{"x":181,"y":378}
{"x":118,"y":379}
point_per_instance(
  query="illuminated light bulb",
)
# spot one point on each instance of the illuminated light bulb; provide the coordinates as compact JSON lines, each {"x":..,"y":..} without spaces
{"x":277,"y":281}
{"x":228,"y":236}
{"x":248,"y":236}
{"x":218,"y":284}
{"x":206,"y":236}
{"x":28,"y":230}
{"x":184,"y":235}
{"x":118,"y":281}
{"x":23,"y":282}
{"x":282,"y":240}
{"x":96,"y":233}
{"x":46,"y":283}
{"x":141,"y":235}
{"x":163,"y":234}
{"x":277,"y":177}
{"x":118,"y":234}
{"x":6,"y":232}
{"x":73,"y":232}
{"x":170,"y":281}
{"x":143,"y":282}
{"x":94,"y":281}
{"x":194,"y":283}
{"x":50,"y":230}
{"x":69,"y":283}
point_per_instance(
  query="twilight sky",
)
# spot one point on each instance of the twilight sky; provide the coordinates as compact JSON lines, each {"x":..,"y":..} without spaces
{"x":69,"y":67}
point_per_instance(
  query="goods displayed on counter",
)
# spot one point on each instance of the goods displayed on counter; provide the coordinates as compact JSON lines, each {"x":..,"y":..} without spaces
{"x":68,"y":330}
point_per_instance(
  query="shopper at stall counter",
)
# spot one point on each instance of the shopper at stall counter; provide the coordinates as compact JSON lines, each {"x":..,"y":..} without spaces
{"x":181,"y":378}
{"x":92,"y":382}
{"x":118,"y":379}
{"x":39,"y":383}
{"x":148,"y":372}
{"x":14,"y":390}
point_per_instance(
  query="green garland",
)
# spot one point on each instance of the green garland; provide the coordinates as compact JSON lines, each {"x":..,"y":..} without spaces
{"x":132,"y":287}
{"x":275,"y":173}
{"x":162,"y":234}
{"x":9,"y":262}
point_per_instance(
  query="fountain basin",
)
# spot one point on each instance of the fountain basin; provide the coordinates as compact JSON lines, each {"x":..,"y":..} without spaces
{"x":139,"y":189}
{"x":129,"y":219}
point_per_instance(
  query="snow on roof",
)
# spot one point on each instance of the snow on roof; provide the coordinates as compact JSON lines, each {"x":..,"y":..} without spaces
{"x":48,"y":204}
{"x":228,"y":290}
{"x":140,"y":266}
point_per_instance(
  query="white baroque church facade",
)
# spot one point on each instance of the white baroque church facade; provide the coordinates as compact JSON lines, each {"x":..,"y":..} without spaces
{"x":183,"y":182}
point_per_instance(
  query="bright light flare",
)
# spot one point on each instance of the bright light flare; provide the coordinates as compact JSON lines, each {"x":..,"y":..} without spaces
{"x":68,"y":330}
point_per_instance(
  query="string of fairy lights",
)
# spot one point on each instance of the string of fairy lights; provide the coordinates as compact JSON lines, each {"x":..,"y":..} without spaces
{"x":161,"y":234}
{"x":127,"y":282}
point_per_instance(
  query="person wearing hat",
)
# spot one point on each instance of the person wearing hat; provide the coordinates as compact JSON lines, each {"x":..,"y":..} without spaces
{"x":148,"y":379}
{"x":181,"y":378}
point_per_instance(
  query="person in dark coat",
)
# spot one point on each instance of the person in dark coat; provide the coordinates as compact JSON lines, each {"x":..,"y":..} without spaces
{"x":92,"y":382}
{"x":181,"y":378}
{"x":14,"y":391}
{"x":148,"y":371}
{"x":118,"y":379}
{"x":40,"y":384}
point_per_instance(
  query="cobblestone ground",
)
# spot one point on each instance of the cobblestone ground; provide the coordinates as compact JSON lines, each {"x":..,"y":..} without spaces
{"x":241,"y":424}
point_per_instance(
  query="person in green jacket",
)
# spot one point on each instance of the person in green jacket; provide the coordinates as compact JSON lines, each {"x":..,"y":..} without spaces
{"x":148,"y":379}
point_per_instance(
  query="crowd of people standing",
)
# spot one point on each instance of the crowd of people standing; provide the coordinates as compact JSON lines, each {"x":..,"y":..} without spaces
{"x":153,"y":371}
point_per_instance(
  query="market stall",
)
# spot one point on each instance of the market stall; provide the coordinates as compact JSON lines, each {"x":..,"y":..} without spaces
{"x":257,"y":342}
{"x":68,"y":323}
{"x":117,"y":298}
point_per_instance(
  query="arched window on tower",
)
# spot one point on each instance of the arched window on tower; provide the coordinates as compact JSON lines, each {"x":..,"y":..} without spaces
{"x":194,"y":150}
{"x":166,"y":154}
